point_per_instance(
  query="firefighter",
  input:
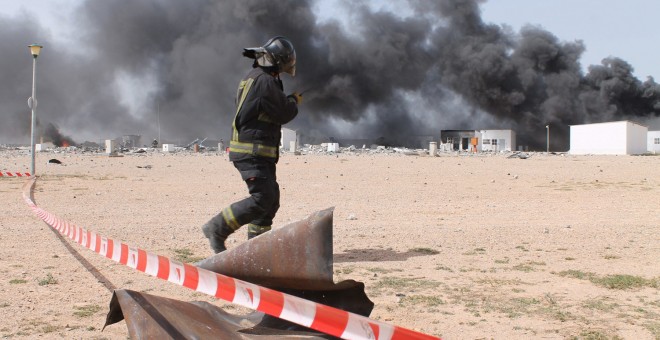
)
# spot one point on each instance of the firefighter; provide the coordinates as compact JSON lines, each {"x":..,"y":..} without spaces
{"x":262,"y":108}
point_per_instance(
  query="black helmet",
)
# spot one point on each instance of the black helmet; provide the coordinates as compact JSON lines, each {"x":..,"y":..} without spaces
{"x":277,"y":52}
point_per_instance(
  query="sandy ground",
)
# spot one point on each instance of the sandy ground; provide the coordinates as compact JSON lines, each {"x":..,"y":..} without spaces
{"x":463,"y":247}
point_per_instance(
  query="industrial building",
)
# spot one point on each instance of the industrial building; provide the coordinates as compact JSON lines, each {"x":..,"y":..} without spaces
{"x":653,"y":142}
{"x":497,"y":140}
{"x":477,"y":140}
{"x":610,"y":138}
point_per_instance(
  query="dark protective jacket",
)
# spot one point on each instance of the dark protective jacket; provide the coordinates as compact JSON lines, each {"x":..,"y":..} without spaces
{"x":261,"y":110}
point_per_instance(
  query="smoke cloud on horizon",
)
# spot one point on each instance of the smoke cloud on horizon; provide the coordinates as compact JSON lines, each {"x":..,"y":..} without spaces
{"x":175,"y":65}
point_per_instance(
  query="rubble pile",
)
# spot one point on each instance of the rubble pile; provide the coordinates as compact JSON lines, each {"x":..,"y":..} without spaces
{"x":327,"y":149}
{"x":306,"y":149}
{"x":309,"y":149}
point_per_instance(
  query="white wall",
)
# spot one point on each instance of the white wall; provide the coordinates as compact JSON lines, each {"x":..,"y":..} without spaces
{"x":168,"y":147}
{"x":43,"y":146}
{"x":288,"y":136}
{"x":651,"y":144}
{"x":506,"y":140}
{"x":637,"y":136}
{"x":110,"y":146}
{"x":611,"y":138}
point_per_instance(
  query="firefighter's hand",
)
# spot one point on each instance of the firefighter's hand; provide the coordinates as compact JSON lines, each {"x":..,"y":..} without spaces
{"x":297,"y":97}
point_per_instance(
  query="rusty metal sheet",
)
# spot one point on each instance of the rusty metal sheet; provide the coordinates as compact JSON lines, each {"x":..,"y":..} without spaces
{"x":298,"y":255}
{"x":153,"y":317}
{"x":295,"y":259}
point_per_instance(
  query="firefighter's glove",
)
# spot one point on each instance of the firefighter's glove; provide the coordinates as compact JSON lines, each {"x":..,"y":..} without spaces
{"x":297,"y":97}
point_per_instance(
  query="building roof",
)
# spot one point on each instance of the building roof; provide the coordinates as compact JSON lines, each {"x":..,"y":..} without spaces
{"x":618,"y":121}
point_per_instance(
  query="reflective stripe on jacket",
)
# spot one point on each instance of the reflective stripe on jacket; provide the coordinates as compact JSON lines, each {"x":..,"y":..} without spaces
{"x":261,"y":109}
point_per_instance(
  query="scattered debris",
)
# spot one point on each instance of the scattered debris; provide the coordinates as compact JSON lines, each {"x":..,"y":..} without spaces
{"x":305,"y":149}
{"x":520,"y":155}
{"x":54,"y":161}
{"x":144,"y":167}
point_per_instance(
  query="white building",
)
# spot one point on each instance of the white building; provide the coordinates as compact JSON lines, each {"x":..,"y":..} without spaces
{"x":611,"y":138}
{"x":43,"y":146}
{"x":653,"y":142}
{"x":497,"y":140}
{"x":168,"y":148}
{"x":110,"y":146}
{"x":481,"y":140}
{"x":289,"y":139}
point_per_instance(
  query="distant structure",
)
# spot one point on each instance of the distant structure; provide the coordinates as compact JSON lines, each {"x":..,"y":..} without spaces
{"x":478,"y":140}
{"x":110,"y":146}
{"x":497,"y":140}
{"x":43,"y":146}
{"x":290,"y":139}
{"x":457,"y":140}
{"x":610,"y":138}
{"x":130,"y":141}
{"x":168,"y":148}
{"x":653,"y":142}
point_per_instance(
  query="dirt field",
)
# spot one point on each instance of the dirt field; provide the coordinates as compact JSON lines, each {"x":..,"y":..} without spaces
{"x":459,"y":246}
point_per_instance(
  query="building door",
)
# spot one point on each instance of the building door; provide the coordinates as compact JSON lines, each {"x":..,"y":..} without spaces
{"x":464,"y":143}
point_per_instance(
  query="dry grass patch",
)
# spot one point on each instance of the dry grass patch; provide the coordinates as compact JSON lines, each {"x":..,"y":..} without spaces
{"x":48,"y":280}
{"x":445,"y":268}
{"x":425,"y":251}
{"x":528,"y":266}
{"x":394,"y":282}
{"x":86,"y":311}
{"x":185,"y":255}
{"x":425,"y":300}
{"x":601,"y":304}
{"x":618,"y":281}
{"x":596,"y":334}
{"x":654,"y":328}
{"x":383,"y":270}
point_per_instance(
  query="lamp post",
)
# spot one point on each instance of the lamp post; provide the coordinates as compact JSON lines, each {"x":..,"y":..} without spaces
{"x":547,"y":138}
{"x":32,"y":101}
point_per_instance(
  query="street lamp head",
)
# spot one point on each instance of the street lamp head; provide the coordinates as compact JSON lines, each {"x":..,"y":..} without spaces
{"x":35,"y":49}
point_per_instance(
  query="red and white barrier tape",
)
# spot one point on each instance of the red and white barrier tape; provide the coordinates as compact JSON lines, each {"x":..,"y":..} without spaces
{"x":329,"y":320}
{"x":14,"y":174}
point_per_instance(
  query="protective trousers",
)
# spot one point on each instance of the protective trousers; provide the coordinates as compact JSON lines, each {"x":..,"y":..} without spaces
{"x":260,"y":207}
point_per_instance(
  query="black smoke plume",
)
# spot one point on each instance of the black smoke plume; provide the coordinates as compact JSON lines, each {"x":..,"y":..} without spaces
{"x":174,"y":66}
{"x":52,"y":134}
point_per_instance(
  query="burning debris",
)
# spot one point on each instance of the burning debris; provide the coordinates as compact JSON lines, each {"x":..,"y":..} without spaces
{"x":52,"y":134}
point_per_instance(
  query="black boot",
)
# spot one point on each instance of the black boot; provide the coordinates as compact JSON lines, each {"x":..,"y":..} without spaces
{"x":256,"y":230}
{"x":217,"y":231}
